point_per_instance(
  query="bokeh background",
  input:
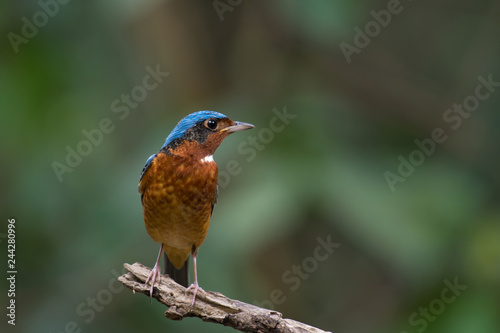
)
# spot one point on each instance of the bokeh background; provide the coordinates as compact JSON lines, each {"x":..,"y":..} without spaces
{"x":322,"y":176}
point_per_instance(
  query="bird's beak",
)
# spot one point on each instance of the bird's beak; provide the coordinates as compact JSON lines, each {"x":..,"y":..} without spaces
{"x":238,"y":126}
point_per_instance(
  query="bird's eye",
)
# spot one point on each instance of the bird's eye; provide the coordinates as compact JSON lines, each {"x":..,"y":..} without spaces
{"x":211,"y":124}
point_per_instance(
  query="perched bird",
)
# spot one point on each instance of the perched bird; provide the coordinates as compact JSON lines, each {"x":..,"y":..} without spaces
{"x":178,"y":188}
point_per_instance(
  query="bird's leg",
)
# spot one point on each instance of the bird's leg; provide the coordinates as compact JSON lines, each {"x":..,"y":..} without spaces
{"x":155,"y":274}
{"x":195,"y":285}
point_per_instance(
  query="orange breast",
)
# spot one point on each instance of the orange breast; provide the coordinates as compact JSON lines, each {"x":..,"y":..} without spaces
{"x":177,"y":197}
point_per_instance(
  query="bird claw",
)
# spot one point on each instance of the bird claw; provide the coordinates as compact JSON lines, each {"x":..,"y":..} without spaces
{"x":196,"y":288}
{"x":153,"y":276}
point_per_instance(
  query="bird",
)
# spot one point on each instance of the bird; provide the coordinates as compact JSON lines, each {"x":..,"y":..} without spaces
{"x":179,"y":189}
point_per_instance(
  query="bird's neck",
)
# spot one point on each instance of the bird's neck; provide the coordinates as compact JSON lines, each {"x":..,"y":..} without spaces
{"x":192,"y":150}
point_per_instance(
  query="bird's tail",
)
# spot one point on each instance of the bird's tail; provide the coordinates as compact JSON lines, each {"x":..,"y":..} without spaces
{"x":180,"y":276}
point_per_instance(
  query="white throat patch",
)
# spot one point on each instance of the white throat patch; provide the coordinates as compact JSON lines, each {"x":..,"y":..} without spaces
{"x":207,"y":159}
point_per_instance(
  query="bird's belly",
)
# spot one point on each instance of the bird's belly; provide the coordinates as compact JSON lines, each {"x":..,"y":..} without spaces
{"x":177,"y":208}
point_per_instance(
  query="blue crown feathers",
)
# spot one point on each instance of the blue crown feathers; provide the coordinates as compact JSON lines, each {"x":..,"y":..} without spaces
{"x":189,"y":121}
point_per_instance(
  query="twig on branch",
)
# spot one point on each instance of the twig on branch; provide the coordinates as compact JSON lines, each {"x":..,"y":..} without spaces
{"x":211,"y":306}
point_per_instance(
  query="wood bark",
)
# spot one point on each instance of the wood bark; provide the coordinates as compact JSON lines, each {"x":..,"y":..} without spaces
{"x":211,"y":306}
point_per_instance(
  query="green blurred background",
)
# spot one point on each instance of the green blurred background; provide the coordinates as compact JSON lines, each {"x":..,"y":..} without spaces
{"x":321,"y":176}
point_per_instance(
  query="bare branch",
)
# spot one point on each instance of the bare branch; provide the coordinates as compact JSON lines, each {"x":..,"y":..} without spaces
{"x":211,"y":306}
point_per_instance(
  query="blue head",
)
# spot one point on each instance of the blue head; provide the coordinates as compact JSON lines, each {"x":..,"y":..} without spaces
{"x":190,"y":121}
{"x":207,"y":128}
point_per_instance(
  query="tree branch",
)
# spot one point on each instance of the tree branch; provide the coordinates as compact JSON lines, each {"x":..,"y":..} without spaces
{"x":211,"y":306}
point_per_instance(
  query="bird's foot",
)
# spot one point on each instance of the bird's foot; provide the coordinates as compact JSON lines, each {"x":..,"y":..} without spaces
{"x":196,"y":288}
{"x":153,"y":276}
